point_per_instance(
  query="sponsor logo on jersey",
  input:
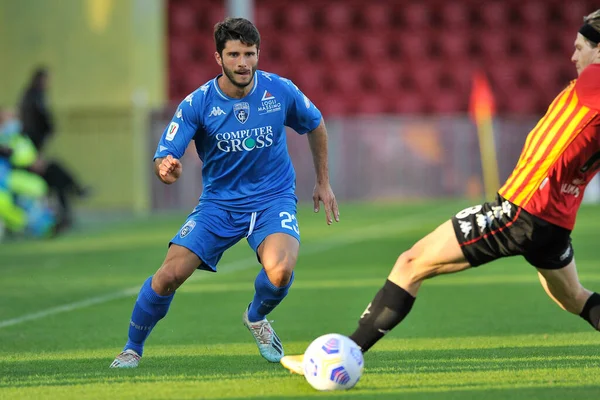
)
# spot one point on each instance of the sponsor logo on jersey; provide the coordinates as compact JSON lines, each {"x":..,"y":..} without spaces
{"x":172,"y":131}
{"x":267,"y":96}
{"x":569,"y":189}
{"x":269,"y":104}
{"x":216,"y":111}
{"x":241,"y":111}
{"x":245,"y":139}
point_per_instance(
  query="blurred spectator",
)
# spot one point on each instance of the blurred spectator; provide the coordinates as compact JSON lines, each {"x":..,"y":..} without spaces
{"x":38,"y":126}
{"x":23,"y":194}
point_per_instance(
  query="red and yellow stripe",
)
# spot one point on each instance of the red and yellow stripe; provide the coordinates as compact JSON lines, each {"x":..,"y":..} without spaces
{"x":565,"y":118}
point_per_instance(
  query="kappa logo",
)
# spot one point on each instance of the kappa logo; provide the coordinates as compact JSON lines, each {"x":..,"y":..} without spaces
{"x":242,"y":111}
{"x":465,"y":227}
{"x":267,"y":96}
{"x":179,"y":114}
{"x":172,"y":131}
{"x":187,"y":228}
{"x":216,"y":111}
{"x":189,"y":98}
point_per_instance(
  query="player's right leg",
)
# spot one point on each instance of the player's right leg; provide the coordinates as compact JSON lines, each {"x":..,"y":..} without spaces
{"x":474,"y":236}
{"x":200,"y":243}
{"x":437,"y":253}
{"x":153,"y":302}
{"x":563,"y":286}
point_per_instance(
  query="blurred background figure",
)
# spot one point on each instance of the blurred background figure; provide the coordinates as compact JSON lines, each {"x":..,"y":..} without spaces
{"x":24,"y":209}
{"x":38,"y":125}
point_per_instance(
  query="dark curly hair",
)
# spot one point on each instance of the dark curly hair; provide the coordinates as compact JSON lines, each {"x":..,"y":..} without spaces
{"x":236,"y":29}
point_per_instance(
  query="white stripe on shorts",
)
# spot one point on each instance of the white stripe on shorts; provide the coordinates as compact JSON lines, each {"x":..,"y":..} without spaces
{"x":252,"y":222}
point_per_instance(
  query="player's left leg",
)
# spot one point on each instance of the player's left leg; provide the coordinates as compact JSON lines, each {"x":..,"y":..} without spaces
{"x":276,"y":240}
{"x":563,"y":286}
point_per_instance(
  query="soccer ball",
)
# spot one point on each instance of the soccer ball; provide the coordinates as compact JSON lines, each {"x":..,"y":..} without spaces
{"x":333,"y":362}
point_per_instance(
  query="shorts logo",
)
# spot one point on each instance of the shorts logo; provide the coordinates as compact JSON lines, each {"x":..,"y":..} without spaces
{"x":187,"y":228}
{"x":566,"y":254}
{"x":241,"y":111}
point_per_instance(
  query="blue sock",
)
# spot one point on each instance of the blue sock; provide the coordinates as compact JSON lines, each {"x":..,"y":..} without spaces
{"x":266,"y":297}
{"x":149,"y":308}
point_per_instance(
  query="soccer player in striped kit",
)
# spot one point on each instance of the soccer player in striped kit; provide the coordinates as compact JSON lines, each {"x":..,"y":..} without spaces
{"x":533,"y":214}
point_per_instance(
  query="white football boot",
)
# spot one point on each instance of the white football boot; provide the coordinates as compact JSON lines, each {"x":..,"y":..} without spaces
{"x":268,"y":342}
{"x":126,"y":359}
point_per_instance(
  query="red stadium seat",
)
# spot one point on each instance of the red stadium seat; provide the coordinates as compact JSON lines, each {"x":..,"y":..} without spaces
{"x":385,"y":76}
{"x":408,"y":103}
{"x":494,"y":15}
{"x":376,"y":17}
{"x":531,"y":42}
{"x":534,"y":13}
{"x":455,"y":15}
{"x":455,"y":47}
{"x":374,"y":47}
{"x":415,"y":45}
{"x":415,"y":16}
{"x":337,"y":17}
{"x":492,"y":44}
{"x":298,"y":18}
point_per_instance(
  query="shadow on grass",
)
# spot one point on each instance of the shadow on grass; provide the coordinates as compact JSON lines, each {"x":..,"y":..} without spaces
{"x":55,"y":372}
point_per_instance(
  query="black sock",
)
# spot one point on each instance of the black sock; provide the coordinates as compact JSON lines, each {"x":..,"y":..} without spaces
{"x":390,"y":305}
{"x":591,"y":311}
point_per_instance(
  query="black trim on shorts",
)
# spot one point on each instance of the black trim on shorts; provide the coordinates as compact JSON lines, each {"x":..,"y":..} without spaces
{"x":499,"y":228}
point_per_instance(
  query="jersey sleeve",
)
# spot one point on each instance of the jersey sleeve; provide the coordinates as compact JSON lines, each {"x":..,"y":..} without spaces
{"x":301,"y":114}
{"x":180,"y":131}
{"x":587,"y":87}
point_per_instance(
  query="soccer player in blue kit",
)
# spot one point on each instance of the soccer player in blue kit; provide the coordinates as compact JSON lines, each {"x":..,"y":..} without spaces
{"x":237,"y":121}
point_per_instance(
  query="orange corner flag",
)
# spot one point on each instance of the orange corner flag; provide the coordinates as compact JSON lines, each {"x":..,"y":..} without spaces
{"x":482,"y":109}
{"x":481,"y":105}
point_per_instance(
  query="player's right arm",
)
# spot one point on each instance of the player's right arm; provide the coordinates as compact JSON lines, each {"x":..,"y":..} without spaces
{"x":172,"y":145}
{"x":168,"y":169}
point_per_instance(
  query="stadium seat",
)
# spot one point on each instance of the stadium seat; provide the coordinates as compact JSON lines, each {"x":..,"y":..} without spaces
{"x":494,"y":16}
{"x":372,"y":104}
{"x":415,"y":45}
{"x":454,"y":47}
{"x":297,"y":18}
{"x":415,"y":15}
{"x":454,"y":15}
{"x":337,"y":17}
{"x":408,"y":103}
{"x":534,"y":13}
{"x":532,"y":43}
{"x":492,"y":44}
{"x":385,"y":76}
{"x":374,"y":47}
{"x":375,"y":17}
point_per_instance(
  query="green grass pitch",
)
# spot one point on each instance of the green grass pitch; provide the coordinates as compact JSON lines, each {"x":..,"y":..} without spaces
{"x":487,"y":333}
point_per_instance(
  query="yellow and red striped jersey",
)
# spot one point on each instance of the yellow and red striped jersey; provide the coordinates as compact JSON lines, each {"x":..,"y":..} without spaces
{"x":561,"y":154}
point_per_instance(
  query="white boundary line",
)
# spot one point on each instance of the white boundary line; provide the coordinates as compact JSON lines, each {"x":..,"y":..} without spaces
{"x":357,"y":235}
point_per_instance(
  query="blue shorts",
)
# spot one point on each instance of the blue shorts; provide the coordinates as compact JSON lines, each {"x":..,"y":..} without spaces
{"x":210,"y":230}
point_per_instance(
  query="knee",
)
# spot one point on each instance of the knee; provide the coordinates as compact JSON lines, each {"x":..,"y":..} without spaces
{"x":166,"y":280}
{"x":573,"y":299}
{"x":411,"y":266}
{"x":279,"y":269}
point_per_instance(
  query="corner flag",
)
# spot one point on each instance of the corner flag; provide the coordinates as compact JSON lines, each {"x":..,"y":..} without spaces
{"x":481,"y":109}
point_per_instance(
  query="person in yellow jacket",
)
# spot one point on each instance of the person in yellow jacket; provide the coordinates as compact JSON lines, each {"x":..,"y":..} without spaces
{"x":23,"y":208}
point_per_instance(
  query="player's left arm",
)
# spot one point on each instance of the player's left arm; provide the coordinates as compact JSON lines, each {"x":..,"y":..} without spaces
{"x":317,"y":140}
{"x":304,"y":117}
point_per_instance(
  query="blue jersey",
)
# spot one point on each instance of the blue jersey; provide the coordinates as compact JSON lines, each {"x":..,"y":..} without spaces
{"x":242,"y":142}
